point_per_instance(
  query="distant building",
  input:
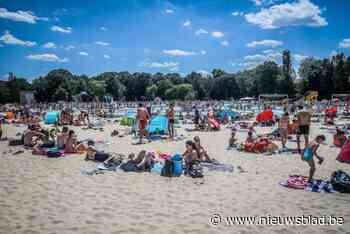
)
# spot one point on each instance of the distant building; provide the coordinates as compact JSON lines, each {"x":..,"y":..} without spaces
{"x":27,"y":97}
{"x":11,"y":76}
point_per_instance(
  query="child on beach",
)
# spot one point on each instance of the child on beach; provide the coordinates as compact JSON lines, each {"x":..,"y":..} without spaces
{"x":232,"y":140}
{"x":310,"y":151}
{"x":283,"y":128}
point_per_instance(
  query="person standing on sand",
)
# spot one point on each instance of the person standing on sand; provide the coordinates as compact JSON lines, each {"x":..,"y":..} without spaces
{"x":310,"y":151}
{"x":142,"y":118}
{"x":283,"y":128}
{"x":171,"y":120}
{"x":304,"y":121}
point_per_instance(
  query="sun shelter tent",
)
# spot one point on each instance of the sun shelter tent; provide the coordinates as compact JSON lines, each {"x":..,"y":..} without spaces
{"x":265,"y":116}
{"x":158,"y":125}
{"x":52,"y":117}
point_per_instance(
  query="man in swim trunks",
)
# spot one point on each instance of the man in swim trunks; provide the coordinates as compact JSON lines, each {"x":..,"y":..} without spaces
{"x":142,"y":118}
{"x":304,"y":121}
{"x":171,"y":120}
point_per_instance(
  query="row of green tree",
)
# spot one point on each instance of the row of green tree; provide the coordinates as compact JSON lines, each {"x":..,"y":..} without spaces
{"x":327,"y":76}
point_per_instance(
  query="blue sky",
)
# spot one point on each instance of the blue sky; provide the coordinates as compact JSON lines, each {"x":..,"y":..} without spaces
{"x":90,"y":37}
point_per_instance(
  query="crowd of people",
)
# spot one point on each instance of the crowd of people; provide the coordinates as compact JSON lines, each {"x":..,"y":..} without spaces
{"x":40,"y":139}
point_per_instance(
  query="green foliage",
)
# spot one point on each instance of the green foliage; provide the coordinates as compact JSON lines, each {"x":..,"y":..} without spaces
{"x":326,"y":76}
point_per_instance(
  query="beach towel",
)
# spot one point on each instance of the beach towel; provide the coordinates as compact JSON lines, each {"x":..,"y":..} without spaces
{"x":320,"y":186}
{"x":218,"y":167}
{"x":295,"y":182}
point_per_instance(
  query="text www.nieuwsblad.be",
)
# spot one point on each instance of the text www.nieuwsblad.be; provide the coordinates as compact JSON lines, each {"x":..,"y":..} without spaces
{"x":269,"y":220}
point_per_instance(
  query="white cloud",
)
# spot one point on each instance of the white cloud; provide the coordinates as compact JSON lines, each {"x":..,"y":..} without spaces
{"x":83,"y":53}
{"x":268,"y":51}
{"x":178,"y":52}
{"x":270,"y":56}
{"x":169,"y":11}
{"x":160,"y":64}
{"x":302,"y":12}
{"x":174,"y":69}
{"x":237,"y":13}
{"x":255,"y":57}
{"x":249,"y":65}
{"x":204,"y":73}
{"x":56,"y":28}
{"x":47,"y":58}
{"x":203,"y":52}
{"x":69,"y":47}
{"x":217,"y":34}
{"x":50,"y":45}
{"x":103,"y":28}
{"x":257,"y":2}
{"x":299,"y":57}
{"x":201,"y":31}
{"x":345,"y":43}
{"x":225,"y":43}
{"x":101,"y":43}
{"x":187,"y":23}
{"x":20,"y":16}
{"x":106,"y":56}
{"x":270,"y":43}
{"x":9,"y":39}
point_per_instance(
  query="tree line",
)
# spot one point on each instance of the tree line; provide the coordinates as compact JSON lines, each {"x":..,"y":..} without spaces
{"x":327,"y":76}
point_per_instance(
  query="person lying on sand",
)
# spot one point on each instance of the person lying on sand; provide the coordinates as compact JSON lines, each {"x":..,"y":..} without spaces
{"x":310,"y":151}
{"x":93,"y":154}
{"x":31,"y":135}
{"x":144,"y":160}
{"x":71,"y":145}
{"x":203,"y":155}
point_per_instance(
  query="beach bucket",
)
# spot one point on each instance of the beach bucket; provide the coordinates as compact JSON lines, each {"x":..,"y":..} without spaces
{"x":177,"y":160}
{"x":51,"y":117}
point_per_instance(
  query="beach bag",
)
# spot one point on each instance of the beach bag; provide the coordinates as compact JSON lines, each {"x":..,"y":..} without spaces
{"x":15,"y":142}
{"x":168,"y":169}
{"x":340,"y":181}
{"x":196,"y":170}
{"x":177,"y":160}
{"x":157,"y":168}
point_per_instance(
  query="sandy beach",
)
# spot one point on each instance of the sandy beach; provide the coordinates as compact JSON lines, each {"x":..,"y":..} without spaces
{"x":45,"y":195}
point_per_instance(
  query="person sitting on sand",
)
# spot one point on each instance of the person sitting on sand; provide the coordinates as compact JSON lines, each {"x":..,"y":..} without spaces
{"x":191,"y":154}
{"x":31,"y":135}
{"x":62,"y":137}
{"x":203,"y":155}
{"x":232,"y":140}
{"x":339,"y":138}
{"x":310,"y":151}
{"x":71,"y":145}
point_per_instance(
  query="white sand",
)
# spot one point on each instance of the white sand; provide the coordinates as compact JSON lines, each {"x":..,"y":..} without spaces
{"x":42,"y":195}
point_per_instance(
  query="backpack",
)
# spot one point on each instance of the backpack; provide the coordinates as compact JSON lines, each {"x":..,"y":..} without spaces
{"x":340,"y":181}
{"x":168,"y":169}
